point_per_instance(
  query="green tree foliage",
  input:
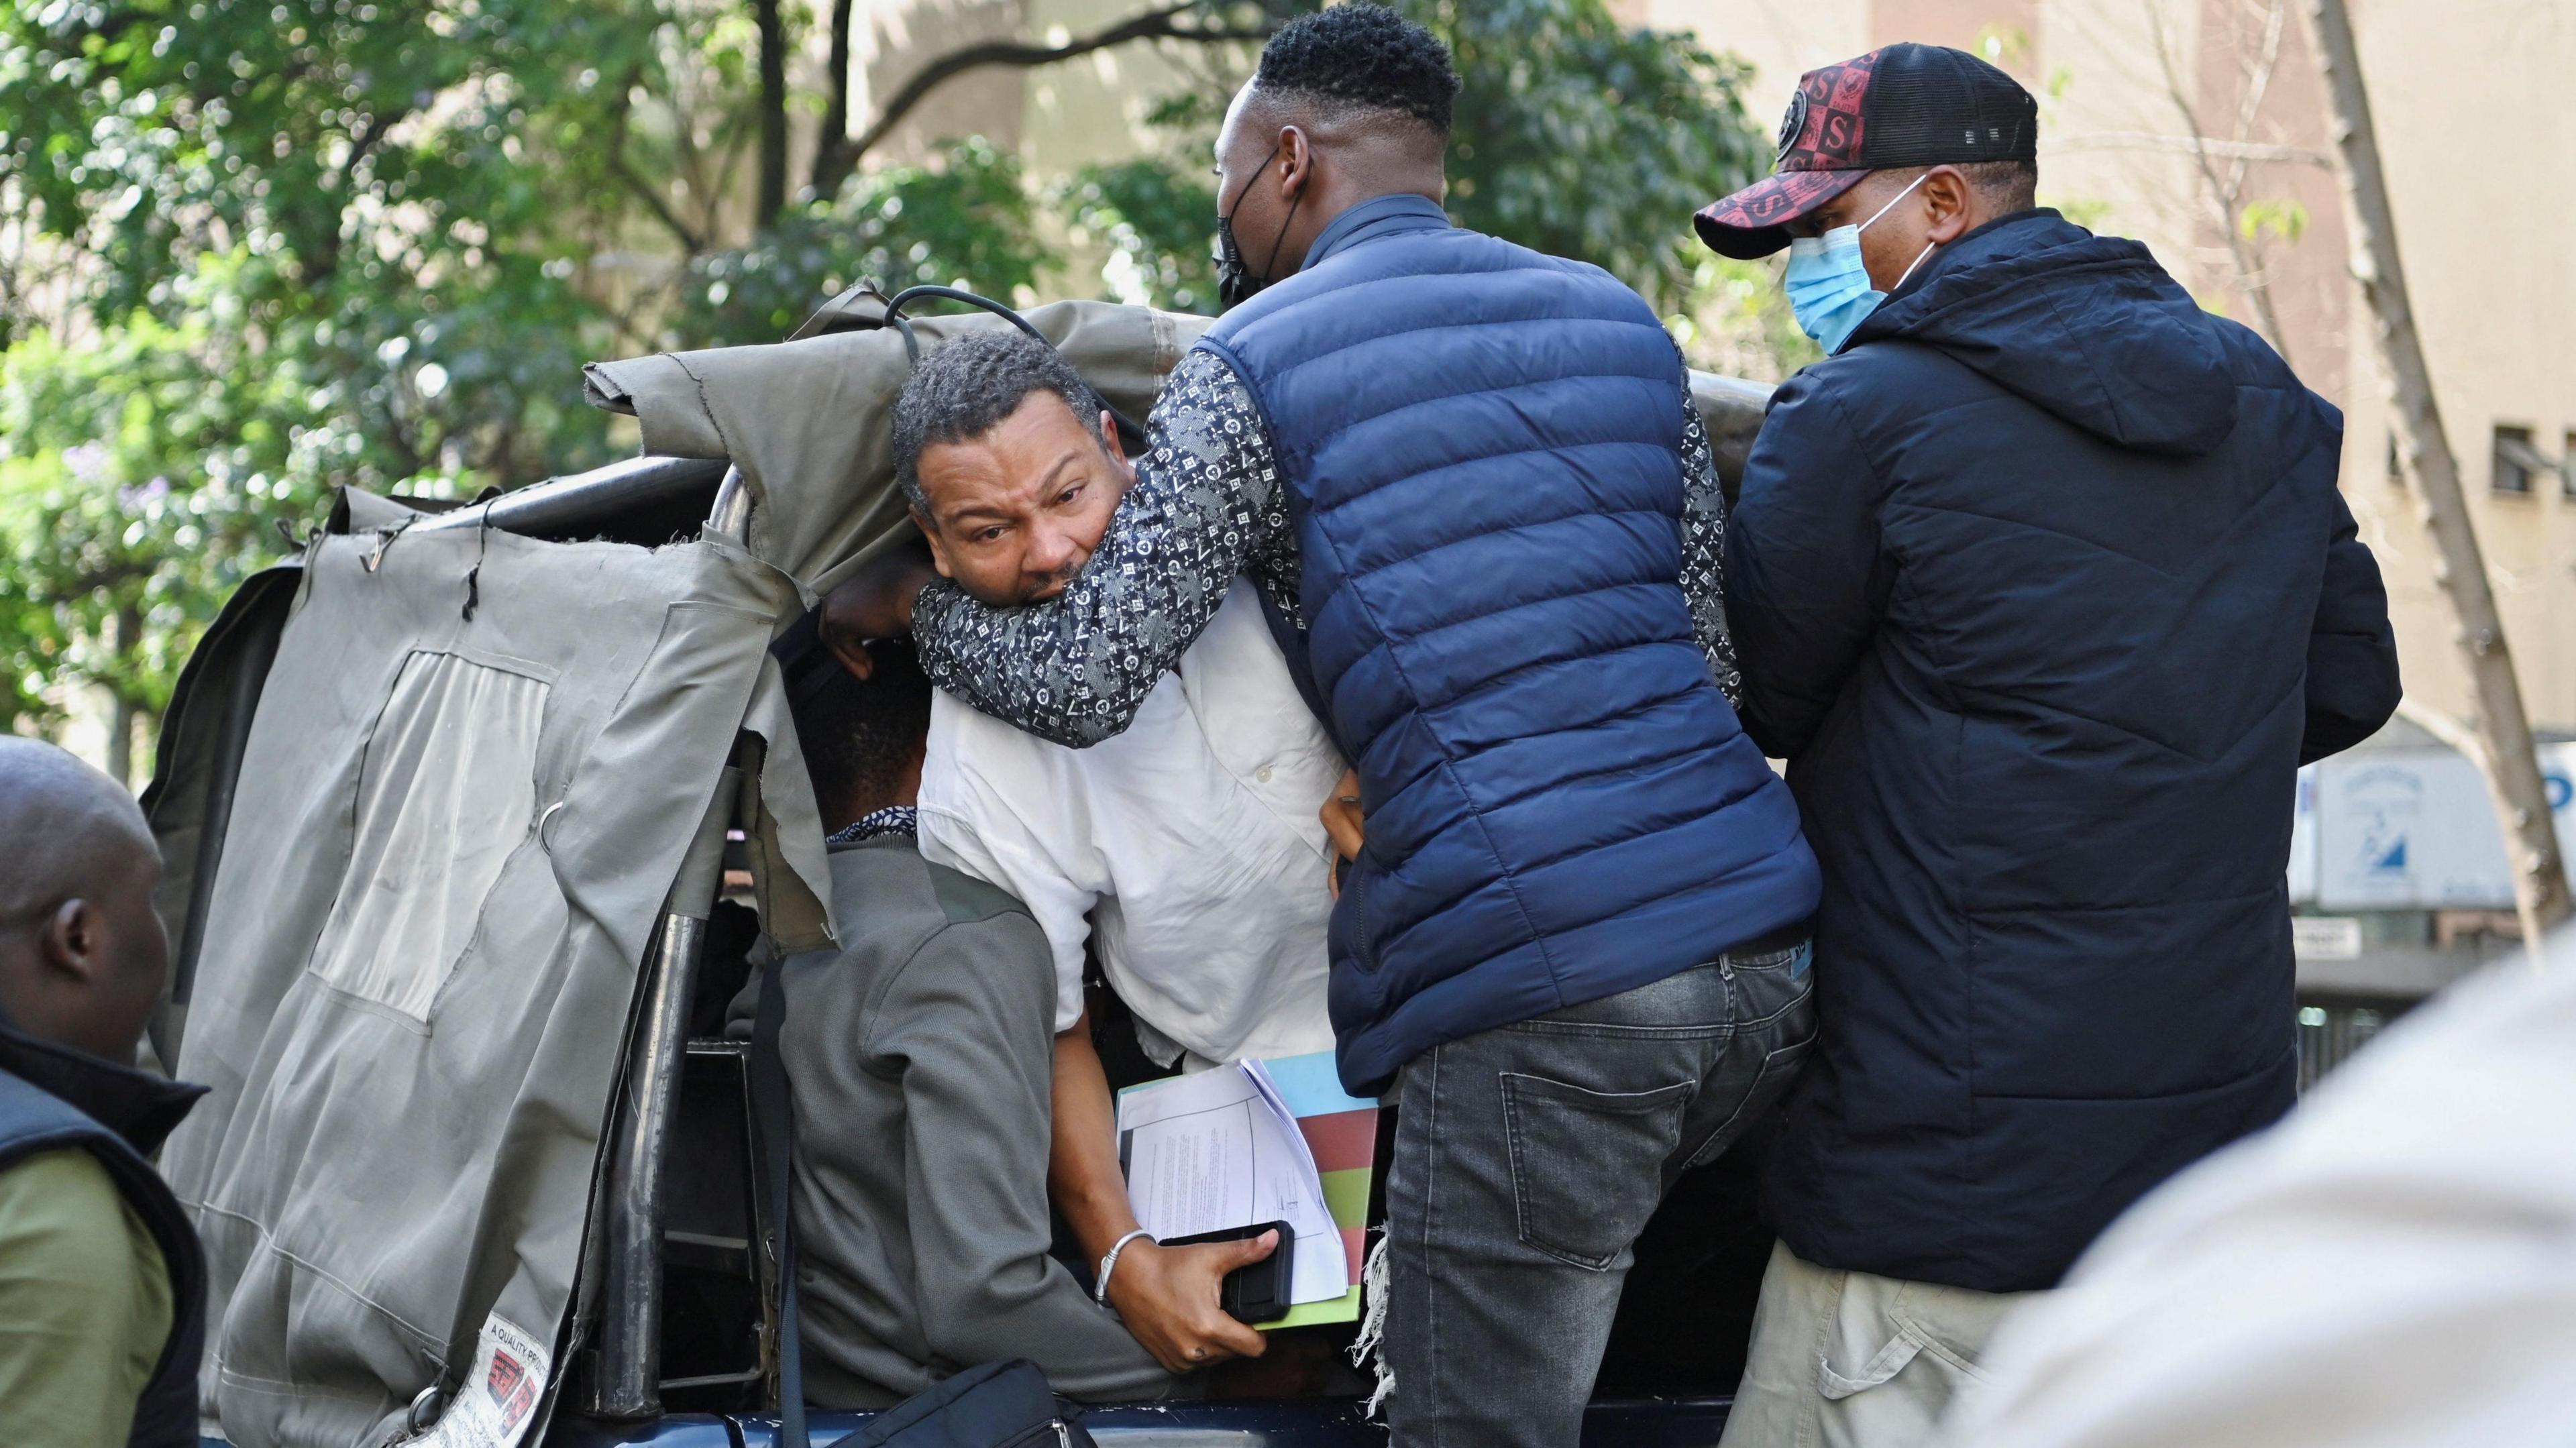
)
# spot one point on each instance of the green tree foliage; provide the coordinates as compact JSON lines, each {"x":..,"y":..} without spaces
{"x":252,"y":250}
{"x":287,"y":246}
{"x":1581,"y":137}
{"x":1156,"y":214}
{"x":1575,"y":135}
{"x":122,"y":454}
{"x":967,"y":222}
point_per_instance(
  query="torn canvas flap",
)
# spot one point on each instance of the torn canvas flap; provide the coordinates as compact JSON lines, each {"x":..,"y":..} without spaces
{"x":806,"y":420}
{"x":785,"y":840}
{"x":450,"y":844}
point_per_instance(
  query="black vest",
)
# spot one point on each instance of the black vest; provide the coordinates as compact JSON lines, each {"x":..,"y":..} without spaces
{"x":53,"y":1096}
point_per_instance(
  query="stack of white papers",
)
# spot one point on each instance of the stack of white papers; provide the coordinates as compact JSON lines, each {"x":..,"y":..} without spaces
{"x":1220,"y":1149}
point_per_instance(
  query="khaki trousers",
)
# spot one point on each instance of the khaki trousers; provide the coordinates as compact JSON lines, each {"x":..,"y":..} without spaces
{"x":1850,"y":1360}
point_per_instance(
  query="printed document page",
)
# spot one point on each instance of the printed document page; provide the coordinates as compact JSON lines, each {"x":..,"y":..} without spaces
{"x":1219,"y":1149}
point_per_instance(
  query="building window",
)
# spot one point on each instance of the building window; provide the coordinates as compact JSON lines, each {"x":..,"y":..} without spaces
{"x":2396,"y":466}
{"x":2514,"y":460}
{"x":2567,"y":464}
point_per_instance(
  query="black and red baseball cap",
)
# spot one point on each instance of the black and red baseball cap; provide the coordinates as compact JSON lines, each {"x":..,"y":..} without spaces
{"x":1906,"y":105}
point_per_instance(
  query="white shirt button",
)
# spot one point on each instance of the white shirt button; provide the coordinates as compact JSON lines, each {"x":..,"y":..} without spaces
{"x":1262,"y":774}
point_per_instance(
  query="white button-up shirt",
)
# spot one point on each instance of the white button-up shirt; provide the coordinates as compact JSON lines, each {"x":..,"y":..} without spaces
{"x":1192,"y":842}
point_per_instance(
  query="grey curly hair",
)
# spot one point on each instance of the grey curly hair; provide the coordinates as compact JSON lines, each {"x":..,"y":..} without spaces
{"x":967,"y":387}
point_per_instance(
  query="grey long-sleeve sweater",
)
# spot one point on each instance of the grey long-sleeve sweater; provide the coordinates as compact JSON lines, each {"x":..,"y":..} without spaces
{"x":921,"y":1066}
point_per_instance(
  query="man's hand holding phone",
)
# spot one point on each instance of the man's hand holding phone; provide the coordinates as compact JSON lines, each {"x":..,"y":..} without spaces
{"x":1170,"y":1298}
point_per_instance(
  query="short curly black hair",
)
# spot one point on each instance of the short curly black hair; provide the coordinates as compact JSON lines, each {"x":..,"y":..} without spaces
{"x":858,"y":736}
{"x":1361,"y":56}
{"x":967,"y":387}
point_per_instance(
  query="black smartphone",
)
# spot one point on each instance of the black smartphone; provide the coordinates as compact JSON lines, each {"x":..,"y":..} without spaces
{"x":1258,"y":1292}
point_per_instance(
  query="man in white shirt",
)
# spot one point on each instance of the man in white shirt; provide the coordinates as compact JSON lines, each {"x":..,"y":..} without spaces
{"x":1191,"y":842}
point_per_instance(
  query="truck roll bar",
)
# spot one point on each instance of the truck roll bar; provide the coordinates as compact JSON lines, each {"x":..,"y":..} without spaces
{"x":585,"y":502}
{"x":626,"y":1381}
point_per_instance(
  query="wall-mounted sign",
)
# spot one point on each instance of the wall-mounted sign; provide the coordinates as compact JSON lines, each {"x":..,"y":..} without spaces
{"x":2407,"y":829}
{"x":2325,"y":937}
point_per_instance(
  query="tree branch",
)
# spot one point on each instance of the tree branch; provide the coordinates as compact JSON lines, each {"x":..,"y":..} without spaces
{"x":2222,"y":194}
{"x":105,"y":576}
{"x":2257,"y":84}
{"x":361,"y":142}
{"x":2185,"y":145}
{"x":1160,"y":24}
{"x":652,"y":199}
{"x":644,"y":190}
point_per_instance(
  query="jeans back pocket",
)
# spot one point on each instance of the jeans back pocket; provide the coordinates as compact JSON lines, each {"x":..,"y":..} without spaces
{"x":1587,"y":1166}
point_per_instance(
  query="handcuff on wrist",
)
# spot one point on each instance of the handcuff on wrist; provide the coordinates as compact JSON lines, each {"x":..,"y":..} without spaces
{"x":1109,"y":1264}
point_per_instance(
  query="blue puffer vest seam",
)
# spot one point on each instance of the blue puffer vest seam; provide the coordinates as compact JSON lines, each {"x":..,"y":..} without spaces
{"x":48,"y":1095}
{"x":1482,"y":451}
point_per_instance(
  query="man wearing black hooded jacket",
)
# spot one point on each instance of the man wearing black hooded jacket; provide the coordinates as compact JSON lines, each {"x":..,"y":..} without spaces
{"x":2042,"y":584}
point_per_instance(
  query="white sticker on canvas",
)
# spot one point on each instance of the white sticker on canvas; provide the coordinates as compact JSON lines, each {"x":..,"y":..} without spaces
{"x":499,"y":1399}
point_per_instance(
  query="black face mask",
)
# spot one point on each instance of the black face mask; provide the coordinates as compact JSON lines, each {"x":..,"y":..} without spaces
{"x":1235,"y":283}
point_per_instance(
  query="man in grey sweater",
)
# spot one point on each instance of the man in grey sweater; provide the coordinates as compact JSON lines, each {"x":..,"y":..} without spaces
{"x":920,"y":1066}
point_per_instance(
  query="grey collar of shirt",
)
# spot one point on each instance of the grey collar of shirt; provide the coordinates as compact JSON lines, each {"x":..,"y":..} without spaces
{"x":1383,"y":216}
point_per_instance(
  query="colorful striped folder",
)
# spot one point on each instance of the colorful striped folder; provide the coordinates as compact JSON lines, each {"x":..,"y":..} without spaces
{"x":1341,"y":1130}
{"x":1341,"y":1134}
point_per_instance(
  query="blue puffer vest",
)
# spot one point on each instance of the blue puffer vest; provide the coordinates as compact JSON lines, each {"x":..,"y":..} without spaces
{"x":1482,"y":449}
{"x":52,"y":1097}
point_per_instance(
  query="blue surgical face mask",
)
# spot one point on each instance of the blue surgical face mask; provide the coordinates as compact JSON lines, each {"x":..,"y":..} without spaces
{"x":1828,"y":286}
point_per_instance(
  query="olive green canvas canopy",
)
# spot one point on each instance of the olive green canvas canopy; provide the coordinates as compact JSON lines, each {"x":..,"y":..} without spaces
{"x":805,"y":419}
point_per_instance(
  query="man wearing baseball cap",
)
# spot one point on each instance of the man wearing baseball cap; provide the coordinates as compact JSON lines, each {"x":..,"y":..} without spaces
{"x":2041,"y":583}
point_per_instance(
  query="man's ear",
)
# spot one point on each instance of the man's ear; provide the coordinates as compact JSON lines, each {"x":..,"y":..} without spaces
{"x":1296,"y":162}
{"x":1109,"y":442}
{"x":1950,"y":200}
{"x":69,"y":944}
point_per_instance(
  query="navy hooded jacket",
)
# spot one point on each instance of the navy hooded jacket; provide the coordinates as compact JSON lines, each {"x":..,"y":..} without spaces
{"x":2044,"y":588}
{"x":1483,"y":451}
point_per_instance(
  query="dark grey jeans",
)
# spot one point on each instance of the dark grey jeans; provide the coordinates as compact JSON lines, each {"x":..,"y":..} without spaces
{"x":1527,"y":1160}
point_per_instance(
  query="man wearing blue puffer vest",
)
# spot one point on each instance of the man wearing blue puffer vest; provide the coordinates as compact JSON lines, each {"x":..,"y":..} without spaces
{"x":2045,"y":590}
{"x":1483,"y":519}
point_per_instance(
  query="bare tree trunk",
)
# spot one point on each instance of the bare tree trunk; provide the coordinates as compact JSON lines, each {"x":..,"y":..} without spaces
{"x":773,"y":111}
{"x":832,"y":156}
{"x":125,"y":636}
{"x":2513,"y":769}
{"x":120,"y":741}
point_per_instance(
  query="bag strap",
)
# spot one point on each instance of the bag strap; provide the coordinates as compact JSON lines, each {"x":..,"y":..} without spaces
{"x":771,"y":1110}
